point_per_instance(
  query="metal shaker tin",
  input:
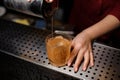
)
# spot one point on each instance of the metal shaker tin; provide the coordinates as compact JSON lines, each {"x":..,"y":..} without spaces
{"x":31,"y":7}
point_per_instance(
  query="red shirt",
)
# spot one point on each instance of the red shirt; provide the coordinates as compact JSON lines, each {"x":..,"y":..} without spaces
{"x":87,"y":12}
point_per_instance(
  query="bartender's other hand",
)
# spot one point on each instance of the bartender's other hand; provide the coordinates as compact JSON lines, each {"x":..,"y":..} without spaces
{"x":49,"y":1}
{"x":82,"y":51}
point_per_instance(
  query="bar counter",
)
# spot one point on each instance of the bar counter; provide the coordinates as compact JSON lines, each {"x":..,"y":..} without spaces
{"x":23,"y":57}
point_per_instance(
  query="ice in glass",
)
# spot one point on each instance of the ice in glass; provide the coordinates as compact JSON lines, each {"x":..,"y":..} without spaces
{"x":58,"y":49}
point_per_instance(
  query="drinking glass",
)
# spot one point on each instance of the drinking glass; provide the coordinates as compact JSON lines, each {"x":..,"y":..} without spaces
{"x":58,"y":48}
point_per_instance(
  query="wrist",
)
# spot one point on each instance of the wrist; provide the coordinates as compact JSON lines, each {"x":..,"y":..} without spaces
{"x":89,"y":34}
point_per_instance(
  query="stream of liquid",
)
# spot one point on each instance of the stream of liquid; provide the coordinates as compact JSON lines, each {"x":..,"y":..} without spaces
{"x":52,"y":25}
{"x":53,"y":13}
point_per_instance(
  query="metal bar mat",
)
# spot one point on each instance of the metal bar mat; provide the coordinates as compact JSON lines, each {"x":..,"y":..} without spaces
{"x":28,"y":44}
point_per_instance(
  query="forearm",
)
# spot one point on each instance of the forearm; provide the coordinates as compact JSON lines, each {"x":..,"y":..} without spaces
{"x":107,"y":24}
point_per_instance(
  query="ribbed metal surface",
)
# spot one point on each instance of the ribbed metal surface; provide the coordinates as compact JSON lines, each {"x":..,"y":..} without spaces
{"x":29,"y":44}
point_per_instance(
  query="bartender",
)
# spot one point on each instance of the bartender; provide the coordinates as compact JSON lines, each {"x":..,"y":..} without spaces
{"x":93,"y":19}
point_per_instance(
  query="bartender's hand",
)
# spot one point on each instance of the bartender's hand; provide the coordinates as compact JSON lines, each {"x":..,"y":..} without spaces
{"x":49,"y":1}
{"x":82,"y":51}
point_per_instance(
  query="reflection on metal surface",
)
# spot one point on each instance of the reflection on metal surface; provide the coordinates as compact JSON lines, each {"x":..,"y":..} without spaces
{"x":29,"y":44}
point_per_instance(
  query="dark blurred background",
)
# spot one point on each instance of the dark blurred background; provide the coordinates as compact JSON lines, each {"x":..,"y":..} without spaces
{"x":60,"y":20}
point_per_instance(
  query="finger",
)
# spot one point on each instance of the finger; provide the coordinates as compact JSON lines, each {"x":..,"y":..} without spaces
{"x":91,"y":59}
{"x":79,"y":59}
{"x":86,"y":60}
{"x":73,"y":55}
{"x":91,"y":56}
{"x":49,"y":1}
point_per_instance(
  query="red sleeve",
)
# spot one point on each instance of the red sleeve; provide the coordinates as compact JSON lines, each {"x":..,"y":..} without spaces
{"x":116,"y":10}
{"x":73,"y":17}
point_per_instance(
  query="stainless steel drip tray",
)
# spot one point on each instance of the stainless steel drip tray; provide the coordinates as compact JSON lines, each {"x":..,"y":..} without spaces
{"x":29,"y":44}
{"x":14,"y":68}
